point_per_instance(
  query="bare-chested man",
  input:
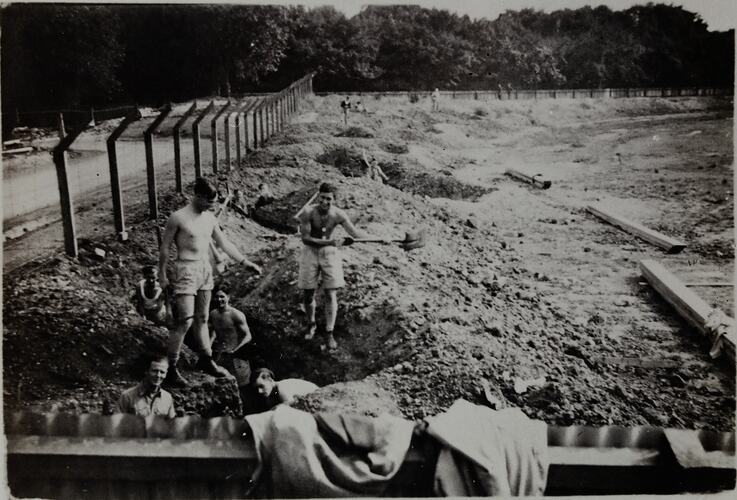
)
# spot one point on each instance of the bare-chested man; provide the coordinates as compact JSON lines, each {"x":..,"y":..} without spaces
{"x":231,"y":333}
{"x":191,"y":229}
{"x":320,"y":256}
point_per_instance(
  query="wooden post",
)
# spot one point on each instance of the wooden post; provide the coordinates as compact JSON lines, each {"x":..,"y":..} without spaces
{"x":261,"y":122}
{"x":226,"y":132}
{"x":153,"y":204}
{"x":177,"y":151}
{"x":196,"y":138}
{"x":62,"y":129}
{"x":112,"y":155}
{"x":255,"y":132}
{"x":92,"y":116}
{"x":65,"y":196}
{"x":690,"y":306}
{"x":238,"y":137}
{"x":214,"y":138}
{"x":246,"y":109}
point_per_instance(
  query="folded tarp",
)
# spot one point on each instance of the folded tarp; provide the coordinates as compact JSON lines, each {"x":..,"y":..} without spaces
{"x":343,"y":457}
{"x":488,"y":452}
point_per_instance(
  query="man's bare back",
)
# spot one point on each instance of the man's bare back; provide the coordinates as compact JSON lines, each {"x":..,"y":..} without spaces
{"x":193,"y":232}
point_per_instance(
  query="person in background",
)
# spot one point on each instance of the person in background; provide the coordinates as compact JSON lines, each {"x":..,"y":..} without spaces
{"x":150,"y":299}
{"x":275,"y":392}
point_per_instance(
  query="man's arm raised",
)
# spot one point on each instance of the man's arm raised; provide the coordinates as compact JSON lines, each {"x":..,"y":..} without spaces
{"x":167,"y":238}
{"x":231,"y":250}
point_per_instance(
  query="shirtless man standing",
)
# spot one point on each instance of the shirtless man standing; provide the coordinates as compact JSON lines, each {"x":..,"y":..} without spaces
{"x":320,"y":256}
{"x":231,"y":333}
{"x":191,"y":229}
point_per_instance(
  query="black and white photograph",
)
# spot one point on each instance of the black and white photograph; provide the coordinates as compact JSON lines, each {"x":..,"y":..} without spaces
{"x":325,"y":249}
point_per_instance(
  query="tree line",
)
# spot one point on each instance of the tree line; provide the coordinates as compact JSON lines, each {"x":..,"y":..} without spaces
{"x":56,"y":56}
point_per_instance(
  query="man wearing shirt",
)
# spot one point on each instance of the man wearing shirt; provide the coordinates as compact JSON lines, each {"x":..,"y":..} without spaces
{"x":148,"y":398}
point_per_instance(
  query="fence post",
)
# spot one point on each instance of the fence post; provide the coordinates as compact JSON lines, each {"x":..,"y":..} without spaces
{"x":62,"y":129}
{"x":255,"y":120}
{"x":17,"y":118}
{"x":92,"y":116}
{"x":112,"y":155}
{"x":177,"y":150}
{"x":65,"y":197}
{"x":196,"y":138}
{"x":153,"y":204}
{"x":261,"y":122}
{"x":238,"y":136}
{"x":214,"y":138}
{"x":226,"y":131}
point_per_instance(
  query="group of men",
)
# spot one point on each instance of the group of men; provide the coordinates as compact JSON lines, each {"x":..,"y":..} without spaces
{"x":191,"y":229}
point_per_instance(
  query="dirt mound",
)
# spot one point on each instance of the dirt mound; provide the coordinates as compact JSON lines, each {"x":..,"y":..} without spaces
{"x":430,"y":184}
{"x":358,"y":132}
{"x":348,"y":162}
{"x":393,"y":148}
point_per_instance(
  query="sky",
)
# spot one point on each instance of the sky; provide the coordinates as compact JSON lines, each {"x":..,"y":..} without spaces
{"x":719,"y":15}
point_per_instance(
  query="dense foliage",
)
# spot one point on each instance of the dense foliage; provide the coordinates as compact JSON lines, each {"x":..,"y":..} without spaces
{"x":71,"y":55}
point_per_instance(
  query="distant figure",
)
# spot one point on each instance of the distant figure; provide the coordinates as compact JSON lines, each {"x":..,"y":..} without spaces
{"x":282,"y":392}
{"x":148,"y":398}
{"x":150,"y":298}
{"x":360,"y":107}
{"x":375,"y":173}
{"x":499,"y":91}
{"x":345,"y":104}
{"x":231,"y":333}
{"x":435,"y":96}
{"x":509,"y":90}
{"x":264,"y":195}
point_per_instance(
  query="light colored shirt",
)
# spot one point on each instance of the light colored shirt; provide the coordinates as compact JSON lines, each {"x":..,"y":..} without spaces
{"x":137,"y":402}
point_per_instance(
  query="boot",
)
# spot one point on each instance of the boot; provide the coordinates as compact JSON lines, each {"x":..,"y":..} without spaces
{"x":207,"y":365}
{"x":174,"y":378}
{"x":332,"y":344}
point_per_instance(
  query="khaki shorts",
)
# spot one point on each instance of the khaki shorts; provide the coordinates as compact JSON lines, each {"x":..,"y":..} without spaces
{"x":239,"y":368}
{"x":191,"y":276}
{"x":316,"y":261}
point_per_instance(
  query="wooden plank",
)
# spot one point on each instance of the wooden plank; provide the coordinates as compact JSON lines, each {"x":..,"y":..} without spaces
{"x":17,"y":151}
{"x":13,"y":142}
{"x":536,"y":180}
{"x":689,"y":305}
{"x":710,"y":284}
{"x":639,"y":362}
{"x":671,"y":245}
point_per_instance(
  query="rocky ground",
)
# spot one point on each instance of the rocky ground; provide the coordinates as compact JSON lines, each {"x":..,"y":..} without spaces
{"x":519,"y":295}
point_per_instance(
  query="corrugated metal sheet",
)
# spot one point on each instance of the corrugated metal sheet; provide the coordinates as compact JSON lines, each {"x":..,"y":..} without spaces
{"x":58,"y":455}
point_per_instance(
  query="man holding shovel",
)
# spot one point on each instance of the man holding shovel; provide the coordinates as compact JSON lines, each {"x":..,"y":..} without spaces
{"x":320,"y":257}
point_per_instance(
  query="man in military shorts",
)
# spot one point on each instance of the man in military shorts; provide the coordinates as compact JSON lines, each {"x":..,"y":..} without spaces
{"x":321,"y":258}
{"x":191,"y":229}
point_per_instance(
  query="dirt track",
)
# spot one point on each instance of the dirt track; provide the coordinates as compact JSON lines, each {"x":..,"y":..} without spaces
{"x":515,"y":283}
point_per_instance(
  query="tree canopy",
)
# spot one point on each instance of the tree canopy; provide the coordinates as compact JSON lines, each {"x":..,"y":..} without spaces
{"x":56,"y":56}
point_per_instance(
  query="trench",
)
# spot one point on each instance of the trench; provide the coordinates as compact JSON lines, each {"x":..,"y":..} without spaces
{"x":401,"y":175}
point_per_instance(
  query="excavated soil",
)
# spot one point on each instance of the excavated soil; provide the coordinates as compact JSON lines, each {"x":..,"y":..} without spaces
{"x":513,"y":285}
